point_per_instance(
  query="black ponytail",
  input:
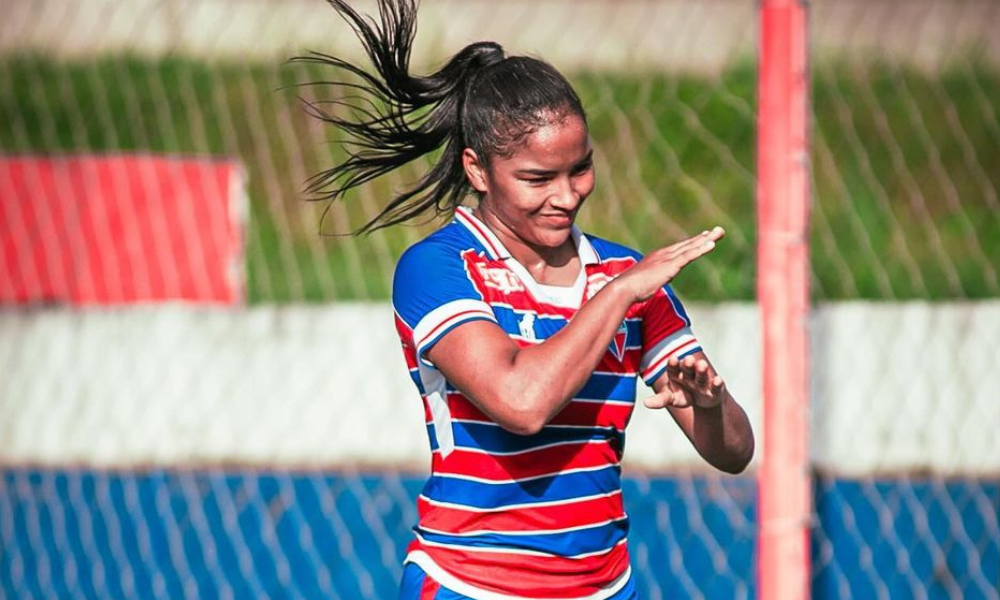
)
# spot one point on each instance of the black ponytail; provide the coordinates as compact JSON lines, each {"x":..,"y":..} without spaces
{"x":479,"y":99}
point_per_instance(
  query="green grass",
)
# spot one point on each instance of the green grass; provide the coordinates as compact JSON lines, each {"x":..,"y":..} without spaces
{"x":906,"y":168}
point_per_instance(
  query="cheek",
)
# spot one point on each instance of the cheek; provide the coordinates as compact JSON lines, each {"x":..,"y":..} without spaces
{"x":514,"y":201}
{"x":585,"y":185}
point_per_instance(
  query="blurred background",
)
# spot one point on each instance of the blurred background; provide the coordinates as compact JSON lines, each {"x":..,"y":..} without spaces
{"x":201,"y":390}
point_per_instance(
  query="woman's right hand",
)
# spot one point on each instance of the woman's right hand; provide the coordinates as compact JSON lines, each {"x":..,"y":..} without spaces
{"x":661,"y":266}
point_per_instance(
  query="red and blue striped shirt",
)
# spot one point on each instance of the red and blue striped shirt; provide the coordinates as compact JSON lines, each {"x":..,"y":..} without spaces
{"x":525,"y":516}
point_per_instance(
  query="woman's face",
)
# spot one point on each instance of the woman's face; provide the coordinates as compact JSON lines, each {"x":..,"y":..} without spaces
{"x":536,"y":192}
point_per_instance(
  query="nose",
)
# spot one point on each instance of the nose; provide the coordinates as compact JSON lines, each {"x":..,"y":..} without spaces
{"x":567,"y":196}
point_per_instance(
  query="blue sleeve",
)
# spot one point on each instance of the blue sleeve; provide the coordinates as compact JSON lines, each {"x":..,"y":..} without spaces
{"x":433,"y":292}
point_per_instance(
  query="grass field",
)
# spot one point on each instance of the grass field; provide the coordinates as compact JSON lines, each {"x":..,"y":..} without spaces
{"x":906,"y":168}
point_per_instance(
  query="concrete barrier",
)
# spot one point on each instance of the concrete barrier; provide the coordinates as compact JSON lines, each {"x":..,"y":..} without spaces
{"x":896,"y":386}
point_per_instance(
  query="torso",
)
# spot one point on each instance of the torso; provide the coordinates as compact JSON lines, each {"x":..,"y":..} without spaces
{"x":542,"y":504}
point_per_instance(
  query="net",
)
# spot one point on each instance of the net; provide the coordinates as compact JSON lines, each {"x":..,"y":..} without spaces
{"x":274,"y":447}
{"x":257,"y":472}
{"x":114,"y":85}
{"x":906,"y":152}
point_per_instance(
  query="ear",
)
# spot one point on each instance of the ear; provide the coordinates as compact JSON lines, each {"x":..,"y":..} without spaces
{"x":475,"y":170}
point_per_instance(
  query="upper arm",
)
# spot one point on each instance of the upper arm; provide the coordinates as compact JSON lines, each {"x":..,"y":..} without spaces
{"x":452,"y":329}
{"x":432,"y":294}
{"x":471,"y":357}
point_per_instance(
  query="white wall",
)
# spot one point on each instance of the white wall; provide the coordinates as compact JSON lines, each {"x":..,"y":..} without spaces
{"x":896,"y":386}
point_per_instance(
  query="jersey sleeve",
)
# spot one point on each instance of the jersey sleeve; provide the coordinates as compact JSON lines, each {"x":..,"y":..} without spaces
{"x":666,"y":332}
{"x":432,"y":294}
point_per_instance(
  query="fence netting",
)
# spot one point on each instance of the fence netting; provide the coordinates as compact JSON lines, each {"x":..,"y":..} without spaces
{"x":207,"y":497}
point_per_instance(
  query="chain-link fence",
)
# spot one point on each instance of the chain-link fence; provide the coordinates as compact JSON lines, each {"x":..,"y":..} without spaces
{"x":906,"y":168}
{"x":905,"y":165}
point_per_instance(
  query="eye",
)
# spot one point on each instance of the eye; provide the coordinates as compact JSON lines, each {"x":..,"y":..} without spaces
{"x":537,"y":180}
{"x":583,"y":168}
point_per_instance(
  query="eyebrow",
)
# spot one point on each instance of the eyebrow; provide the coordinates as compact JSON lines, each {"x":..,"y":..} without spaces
{"x":544,"y":172}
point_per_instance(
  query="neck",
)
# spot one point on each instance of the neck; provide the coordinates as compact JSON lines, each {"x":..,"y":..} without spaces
{"x":543,"y":262}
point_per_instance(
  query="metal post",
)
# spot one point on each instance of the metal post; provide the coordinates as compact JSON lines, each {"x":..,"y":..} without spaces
{"x":785,"y":486}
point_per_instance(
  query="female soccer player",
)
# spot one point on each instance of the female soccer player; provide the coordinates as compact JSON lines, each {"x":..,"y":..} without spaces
{"x":523,"y":335}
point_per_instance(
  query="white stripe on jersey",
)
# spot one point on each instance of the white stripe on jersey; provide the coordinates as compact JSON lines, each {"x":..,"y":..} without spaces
{"x":527,"y":505}
{"x":523,"y":479}
{"x":525,"y":532}
{"x":532,"y":449}
{"x":451,"y":582}
{"x":447,"y":315}
{"x":664,"y":349}
{"x":521,"y":551}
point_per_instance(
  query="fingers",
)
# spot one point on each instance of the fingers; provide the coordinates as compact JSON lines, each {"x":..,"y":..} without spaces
{"x":692,"y":253}
{"x":718,"y":387}
{"x":667,"y":398}
{"x":709,"y":235}
{"x":683,"y":253}
{"x":688,"y":371}
{"x":701,"y":374}
{"x":693,"y":382}
{"x":661,"y":266}
{"x":690,"y":382}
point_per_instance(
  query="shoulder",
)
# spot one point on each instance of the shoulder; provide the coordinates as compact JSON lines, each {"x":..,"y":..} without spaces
{"x":436,"y":269}
{"x":607,"y":250}
{"x":432,"y":284}
{"x":442,"y":248}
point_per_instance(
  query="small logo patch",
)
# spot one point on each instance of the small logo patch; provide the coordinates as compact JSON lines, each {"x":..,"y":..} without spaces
{"x":527,"y":326}
{"x":500,"y":279}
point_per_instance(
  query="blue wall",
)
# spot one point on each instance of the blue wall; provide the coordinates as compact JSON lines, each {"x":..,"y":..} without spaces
{"x":172,"y":534}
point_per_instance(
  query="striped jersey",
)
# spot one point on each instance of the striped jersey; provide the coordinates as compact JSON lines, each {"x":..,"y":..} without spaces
{"x":525,"y":516}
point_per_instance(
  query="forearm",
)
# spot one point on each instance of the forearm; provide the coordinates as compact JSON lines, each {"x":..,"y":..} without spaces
{"x":540,"y":380}
{"x":521,"y":389}
{"x":722,"y":435}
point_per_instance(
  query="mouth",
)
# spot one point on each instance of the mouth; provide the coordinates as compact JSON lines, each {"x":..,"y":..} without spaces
{"x":560,"y":220}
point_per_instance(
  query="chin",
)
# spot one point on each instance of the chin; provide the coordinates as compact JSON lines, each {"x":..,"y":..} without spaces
{"x":554,"y":239}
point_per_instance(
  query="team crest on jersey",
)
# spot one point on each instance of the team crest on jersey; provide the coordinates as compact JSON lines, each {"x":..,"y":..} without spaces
{"x":619,"y":342}
{"x":500,"y":278}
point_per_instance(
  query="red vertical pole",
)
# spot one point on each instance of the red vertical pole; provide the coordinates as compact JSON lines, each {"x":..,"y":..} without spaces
{"x":785,"y":492}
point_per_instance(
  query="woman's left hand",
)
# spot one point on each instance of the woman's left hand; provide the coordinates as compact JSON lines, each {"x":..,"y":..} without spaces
{"x":690,"y":382}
